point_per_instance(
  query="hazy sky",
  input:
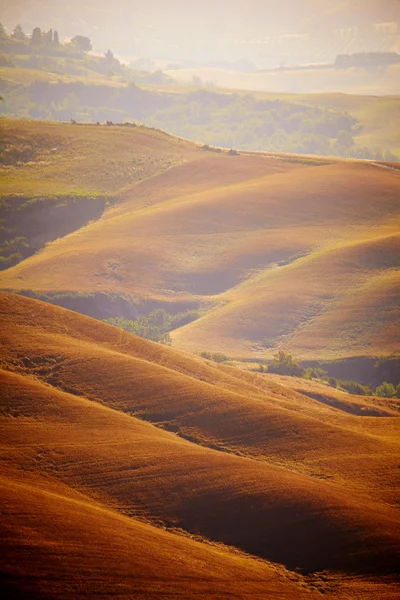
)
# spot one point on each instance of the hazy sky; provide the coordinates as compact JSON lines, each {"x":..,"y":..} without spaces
{"x":118,"y":23}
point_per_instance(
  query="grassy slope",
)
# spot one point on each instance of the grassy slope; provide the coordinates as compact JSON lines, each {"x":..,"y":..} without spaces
{"x":11,"y":76}
{"x":279,"y":245}
{"x":379,"y":115}
{"x":381,"y":124}
{"x":79,"y":461}
{"x":293,"y":489}
{"x":72,"y":546}
{"x":85,"y":158}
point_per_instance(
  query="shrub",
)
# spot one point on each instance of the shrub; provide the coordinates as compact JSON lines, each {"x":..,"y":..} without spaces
{"x":219,"y":358}
{"x":156,"y":325}
{"x":314,"y":373}
{"x":285,"y":364}
{"x":9,"y":261}
{"x":142,"y":328}
{"x":216,"y":356}
{"x":386,"y":390}
{"x":184,"y":318}
{"x":356,"y":388}
{"x":208,"y":148}
{"x":387,"y":368}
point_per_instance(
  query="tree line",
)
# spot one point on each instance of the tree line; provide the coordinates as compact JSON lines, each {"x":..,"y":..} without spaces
{"x":48,"y":41}
{"x":209,"y":117}
{"x":284,"y":363}
{"x":155,"y":326}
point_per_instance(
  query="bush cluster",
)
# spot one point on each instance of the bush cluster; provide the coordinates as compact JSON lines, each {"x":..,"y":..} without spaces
{"x":268,"y":125}
{"x":284,"y":363}
{"x":217,"y":357}
{"x":156,"y":325}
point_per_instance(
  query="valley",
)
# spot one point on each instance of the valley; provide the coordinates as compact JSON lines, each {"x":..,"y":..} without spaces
{"x":123,"y":444}
{"x":281,"y":251}
{"x":134,"y":469}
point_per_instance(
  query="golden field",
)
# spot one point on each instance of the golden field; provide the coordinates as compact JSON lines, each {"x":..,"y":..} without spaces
{"x":280,"y":251}
{"x":132,"y":470}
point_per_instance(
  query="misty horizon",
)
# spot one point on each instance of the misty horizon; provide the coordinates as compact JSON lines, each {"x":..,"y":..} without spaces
{"x":205,"y":33}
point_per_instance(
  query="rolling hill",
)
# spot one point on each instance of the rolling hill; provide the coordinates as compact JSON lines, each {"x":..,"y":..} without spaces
{"x":294,"y":81}
{"x":326,"y":116}
{"x":279,"y":251}
{"x":142,"y":471}
{"x":46,"y":158}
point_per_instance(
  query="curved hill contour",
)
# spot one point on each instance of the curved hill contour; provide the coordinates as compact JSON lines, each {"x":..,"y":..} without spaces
{"x":282,"y":252}
{"x":100,"y":428}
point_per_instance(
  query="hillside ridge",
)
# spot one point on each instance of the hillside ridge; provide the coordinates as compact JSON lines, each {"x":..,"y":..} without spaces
{"x":196,"y":408}
{"x":279,"y":251}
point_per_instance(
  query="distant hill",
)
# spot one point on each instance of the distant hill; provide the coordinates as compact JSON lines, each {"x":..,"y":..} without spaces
{"x":90,"y":89}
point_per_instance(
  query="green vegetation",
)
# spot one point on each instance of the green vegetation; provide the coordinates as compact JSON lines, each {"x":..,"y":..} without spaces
{"x":314,"y":373}
{"x":29,"y":223}
{"x":215,"y":119}
{"x":55,"y":297}
{"x":244,"y":122}
{"x":387,"y":390}
{"x":352,"y":387}
{"x":43,"y":50}
{"x":98,"y":305}
{"x":386,"y":369}
{"x":75,"y":101}
{"x":104,"y":90}
{"x":13,"y":250}
{"x":156,"y":325}
{"x":153,"y":324}
{"x":146,"y":327}
{"x":217,"y":357}
{"x":285,"y":364}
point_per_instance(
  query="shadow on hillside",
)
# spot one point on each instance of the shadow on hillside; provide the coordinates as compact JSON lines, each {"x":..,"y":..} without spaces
{"x":28,"y":224}
{"x":353,"y":409}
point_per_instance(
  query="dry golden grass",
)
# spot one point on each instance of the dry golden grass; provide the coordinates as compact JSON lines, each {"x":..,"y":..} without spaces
{"x":289,"y":254}
{"x":57,"y":543}
{"x":107,"y":437}
{"x":86,"y":158}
